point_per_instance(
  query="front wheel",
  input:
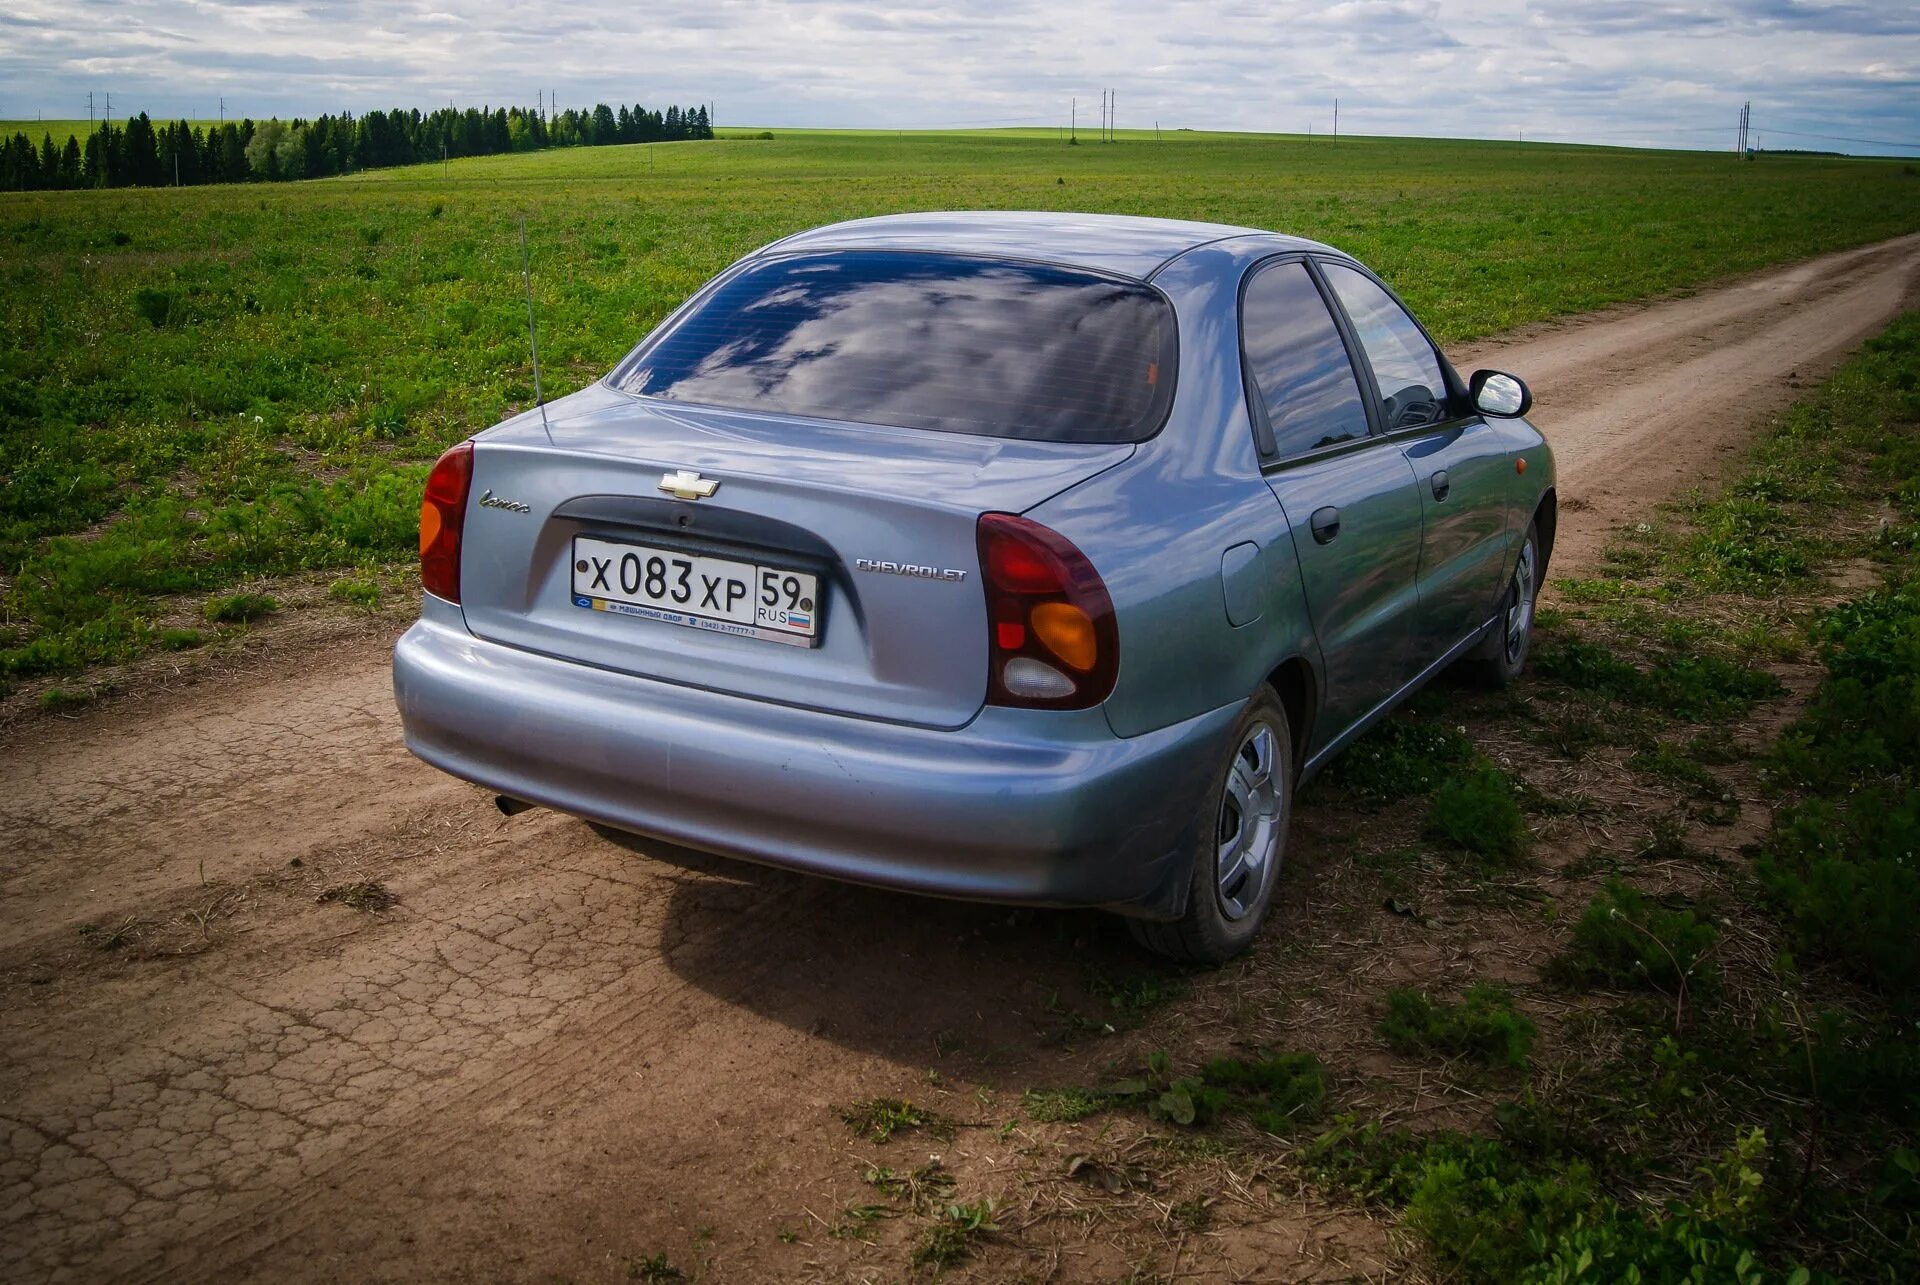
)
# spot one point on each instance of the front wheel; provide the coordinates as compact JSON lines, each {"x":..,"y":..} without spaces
{"x":1240,"y":839}
{"x":1499,"y":660}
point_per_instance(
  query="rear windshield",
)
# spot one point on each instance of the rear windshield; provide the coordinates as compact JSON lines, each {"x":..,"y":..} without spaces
{"x":933,"y":341}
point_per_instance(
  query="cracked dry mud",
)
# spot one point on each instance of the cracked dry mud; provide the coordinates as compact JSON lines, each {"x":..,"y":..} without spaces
{"x":557,"y":1052}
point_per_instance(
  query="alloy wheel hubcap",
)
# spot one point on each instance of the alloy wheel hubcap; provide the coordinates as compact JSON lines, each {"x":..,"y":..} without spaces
{"x":1250,"y":823}
{"x":1520,"y":610}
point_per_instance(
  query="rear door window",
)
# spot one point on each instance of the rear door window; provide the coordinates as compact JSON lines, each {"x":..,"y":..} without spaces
{"x":942,"y":342}
{"x":1412,"y":390}
{"x":1299,"y":363}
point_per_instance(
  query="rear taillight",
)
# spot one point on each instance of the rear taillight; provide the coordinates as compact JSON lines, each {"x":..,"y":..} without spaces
{"x":442,"y":511}
{"x":1051,"y":636}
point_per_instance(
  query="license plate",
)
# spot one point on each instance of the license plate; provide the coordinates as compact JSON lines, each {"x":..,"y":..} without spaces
{"x":721,"y":595}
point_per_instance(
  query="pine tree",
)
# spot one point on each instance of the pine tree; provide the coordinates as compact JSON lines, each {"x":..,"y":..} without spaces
{"x":70,"y":163}
{"x":143,"y":156}
{"x":16,"y":170}
{"x":233,"y":152}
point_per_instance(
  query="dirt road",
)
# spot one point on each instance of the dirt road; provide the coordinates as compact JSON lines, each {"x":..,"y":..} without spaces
{"x":550,"y":1056}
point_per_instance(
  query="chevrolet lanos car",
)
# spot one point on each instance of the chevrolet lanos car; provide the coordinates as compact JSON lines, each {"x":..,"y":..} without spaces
{"x":1016,"y":557}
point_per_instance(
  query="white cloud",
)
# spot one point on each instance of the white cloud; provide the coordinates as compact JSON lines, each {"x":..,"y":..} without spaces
{"x":1664,"y":73}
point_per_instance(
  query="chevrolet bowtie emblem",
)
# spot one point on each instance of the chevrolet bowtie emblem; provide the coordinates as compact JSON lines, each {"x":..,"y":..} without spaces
{"x":688,"y":485}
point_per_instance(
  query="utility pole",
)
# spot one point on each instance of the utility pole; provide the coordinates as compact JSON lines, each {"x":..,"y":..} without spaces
{"x":223,"y":110}
{"x":1336,"y":122}
{"x":1113,"y":115}
{"x":1746,"y":124}
{"x":1073,"y":120}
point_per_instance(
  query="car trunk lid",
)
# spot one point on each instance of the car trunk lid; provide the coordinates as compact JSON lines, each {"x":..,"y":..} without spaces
{"x":883,"y":518}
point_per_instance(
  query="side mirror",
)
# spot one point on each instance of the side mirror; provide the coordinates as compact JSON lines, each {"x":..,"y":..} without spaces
{"x":1499,"y":394}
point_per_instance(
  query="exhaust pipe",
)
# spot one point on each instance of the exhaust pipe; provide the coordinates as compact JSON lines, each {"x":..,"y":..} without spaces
{"x":511,"y":807}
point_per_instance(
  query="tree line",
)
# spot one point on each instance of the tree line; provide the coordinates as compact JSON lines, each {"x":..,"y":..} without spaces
{"x":143,"y":154}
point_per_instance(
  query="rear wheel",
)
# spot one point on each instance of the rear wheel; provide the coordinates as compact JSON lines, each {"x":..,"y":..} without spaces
{"x":1499,"y":660}
{"x":1240,"y":839}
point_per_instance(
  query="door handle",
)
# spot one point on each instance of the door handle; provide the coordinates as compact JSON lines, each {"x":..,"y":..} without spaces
{"x":1326,"y":524}
{"x":1441,"y":484}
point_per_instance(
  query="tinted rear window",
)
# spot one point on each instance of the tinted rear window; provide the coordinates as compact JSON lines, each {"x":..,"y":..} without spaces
{"x":941,"y":342}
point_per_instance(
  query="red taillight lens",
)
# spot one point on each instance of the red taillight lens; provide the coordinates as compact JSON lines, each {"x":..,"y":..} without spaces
{"x":442,"y":511}
{"x":1052,"y":641}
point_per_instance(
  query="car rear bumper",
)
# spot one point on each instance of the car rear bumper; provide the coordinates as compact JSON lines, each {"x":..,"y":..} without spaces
{"x":1023,"y":806}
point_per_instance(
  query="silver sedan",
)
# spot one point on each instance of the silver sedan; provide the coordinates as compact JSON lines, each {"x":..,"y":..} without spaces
{"x":1033,"y":558}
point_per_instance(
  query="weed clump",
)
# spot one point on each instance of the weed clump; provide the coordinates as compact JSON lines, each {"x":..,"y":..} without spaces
{"x":1476,"y":811}
{"x":154,"y":305}
{"x":55,"y":699}
{"x":360,"y":593}
{"x":238,"y":608}
{"x":1625,"y":940}
{"x":1747,"y":541}
{"x":1276,"y":1094}
{"x":1483,"y":1026}
{"x":928,"y":1184}
{"x":1401,"y":758}
{"x":1489,"y":1210}
{"x":1065,"y":1105}
{"x":181,"y":639}
{"x":878,"y":1119}
{"x":951,"y":1239}
{"x":654,"y":1270}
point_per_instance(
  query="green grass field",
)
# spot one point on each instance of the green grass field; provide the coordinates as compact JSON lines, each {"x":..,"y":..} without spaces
{"x":62,"y":130}
{"x":209,"y":386}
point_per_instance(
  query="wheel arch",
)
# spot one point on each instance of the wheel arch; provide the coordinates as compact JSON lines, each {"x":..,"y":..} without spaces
{"x":1295,"y":683}
{"x":1546,"y":520}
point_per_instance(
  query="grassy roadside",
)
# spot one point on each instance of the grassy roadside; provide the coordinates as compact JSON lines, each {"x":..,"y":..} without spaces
{"x":1610,"y":977}
{"x":214,"y":390}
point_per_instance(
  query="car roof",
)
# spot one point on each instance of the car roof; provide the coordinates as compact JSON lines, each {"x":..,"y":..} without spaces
{"x":1123,"y":244}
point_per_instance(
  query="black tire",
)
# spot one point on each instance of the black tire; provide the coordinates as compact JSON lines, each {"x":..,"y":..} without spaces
{"x":1499,"y":659}
{"x":1221,"y":922}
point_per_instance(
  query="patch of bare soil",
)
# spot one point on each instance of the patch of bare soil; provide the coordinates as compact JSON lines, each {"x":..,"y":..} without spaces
{"x":537,"y":1053}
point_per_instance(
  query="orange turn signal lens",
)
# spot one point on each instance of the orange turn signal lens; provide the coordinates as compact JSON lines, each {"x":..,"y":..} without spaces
{"x":1067,"y":632}
{"x":429,"y":525}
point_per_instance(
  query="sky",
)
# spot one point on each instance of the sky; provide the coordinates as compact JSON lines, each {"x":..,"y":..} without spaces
{"x":1842,"y":76}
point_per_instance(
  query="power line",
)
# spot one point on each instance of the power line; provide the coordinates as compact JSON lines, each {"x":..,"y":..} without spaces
{"x":1842,"y":138}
